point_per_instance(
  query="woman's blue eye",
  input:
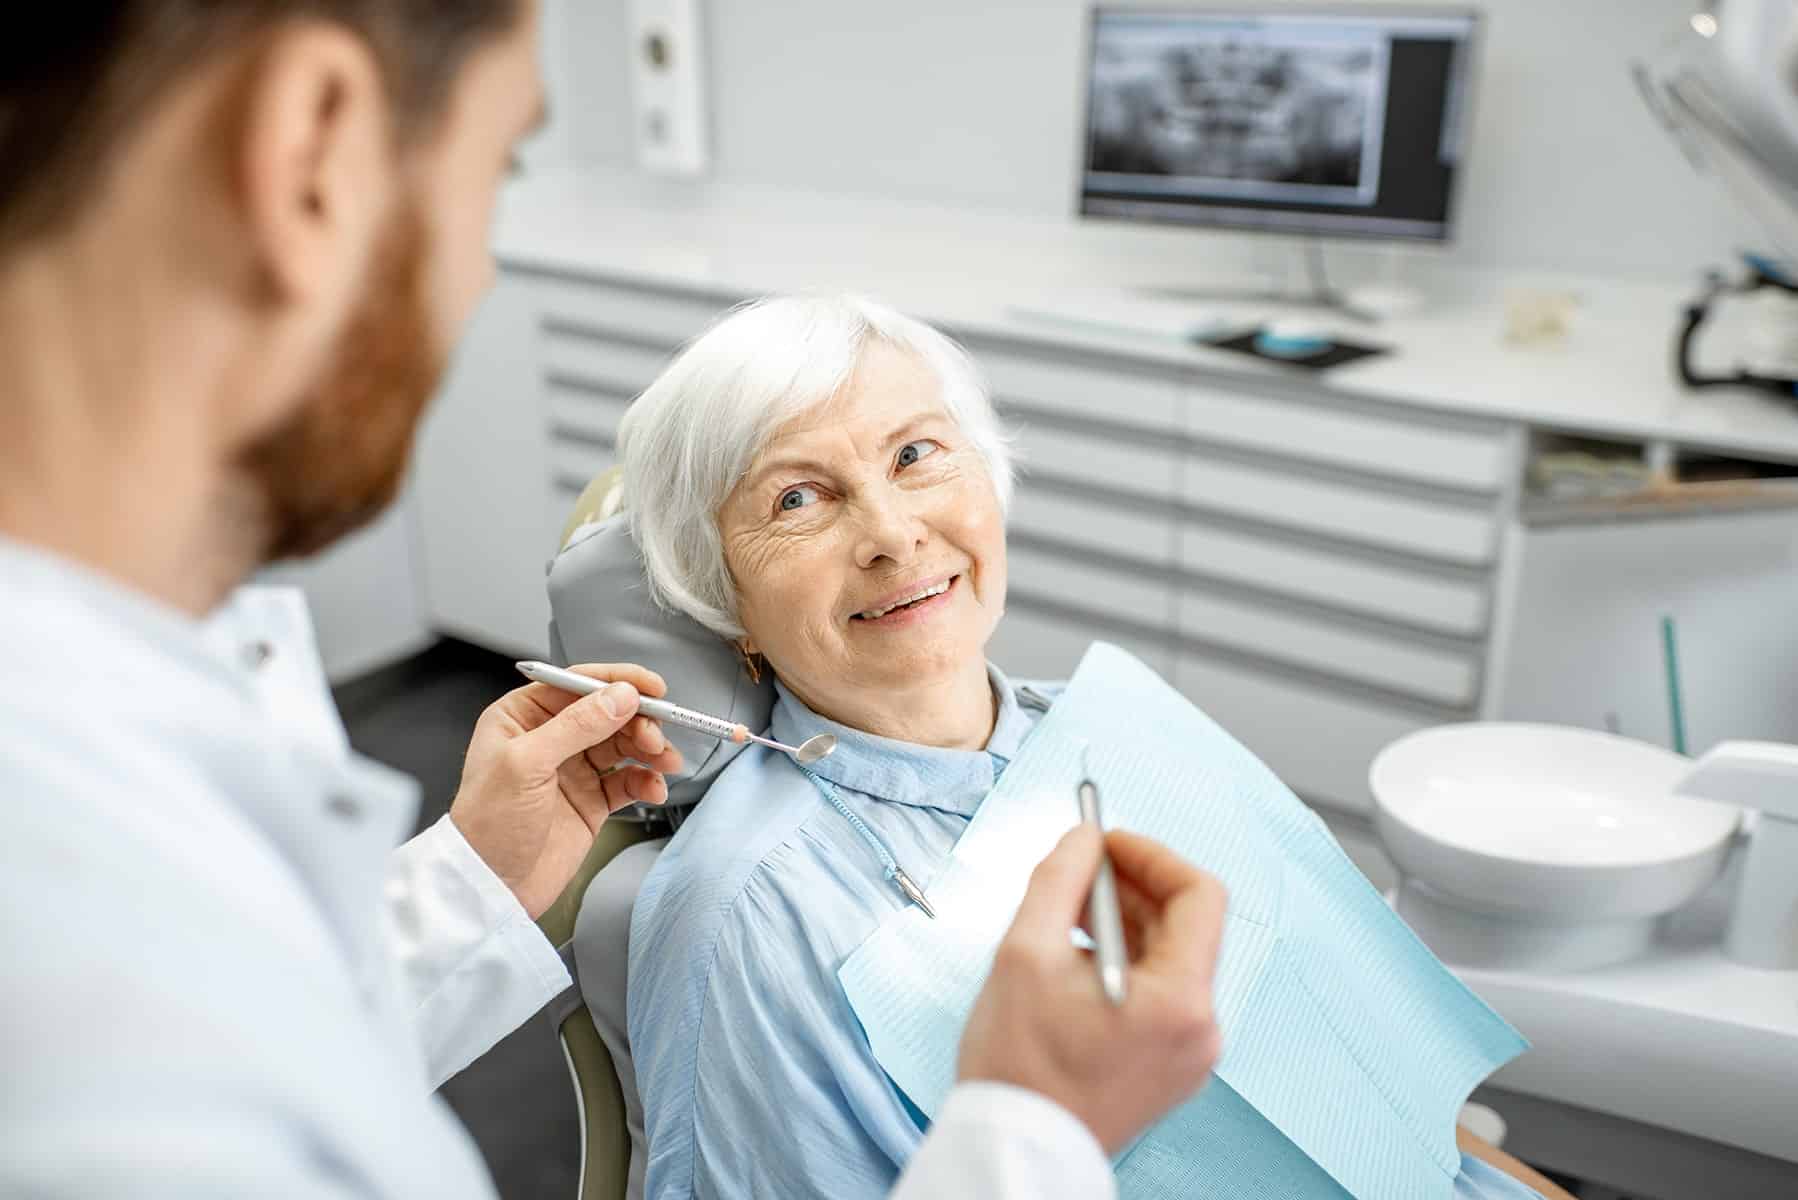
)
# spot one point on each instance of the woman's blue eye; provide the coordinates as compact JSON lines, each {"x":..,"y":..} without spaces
{"x":911,"y":452}
{"x":797,"y":497}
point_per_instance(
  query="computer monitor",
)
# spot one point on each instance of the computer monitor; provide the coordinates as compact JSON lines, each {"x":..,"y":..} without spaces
{"x":1282,"y":120}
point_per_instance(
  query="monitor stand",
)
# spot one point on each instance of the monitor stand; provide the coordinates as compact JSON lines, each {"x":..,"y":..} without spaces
{"x":1317,"y":294}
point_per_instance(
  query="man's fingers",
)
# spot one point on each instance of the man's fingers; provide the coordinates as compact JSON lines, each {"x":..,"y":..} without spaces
{"x":633,"y":785}
{"x":650,"y":746}
{"x":646,"y":736}
{"x":596,"y":796}
{"x":643,"y":679}
{"x":1157,"y":871}
{"x":625,"y":747}
{"x":1140,"y":914}
{"x":1178,"y":908}
{"x":576,"y":728}
{"x":1184,"y":942}
{"x":1058,"y":888}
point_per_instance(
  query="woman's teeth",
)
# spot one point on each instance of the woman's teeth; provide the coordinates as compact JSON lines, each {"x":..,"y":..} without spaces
{"x":874,"y":614}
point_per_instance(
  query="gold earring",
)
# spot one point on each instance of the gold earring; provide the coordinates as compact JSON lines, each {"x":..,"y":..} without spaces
{"x":751,"y":663}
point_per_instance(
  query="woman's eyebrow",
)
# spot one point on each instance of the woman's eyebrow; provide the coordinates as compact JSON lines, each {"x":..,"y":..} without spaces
{"x":798,"y":462}
{"x":785,"y":464}
{"x":905,"y":431}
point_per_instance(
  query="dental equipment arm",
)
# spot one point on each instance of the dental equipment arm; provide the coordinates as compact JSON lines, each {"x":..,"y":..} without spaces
{"x":1725,"y":92}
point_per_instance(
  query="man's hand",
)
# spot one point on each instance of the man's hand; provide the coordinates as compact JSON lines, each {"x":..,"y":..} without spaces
{"x":544,"y":771}
{"x":1043,"y":1023}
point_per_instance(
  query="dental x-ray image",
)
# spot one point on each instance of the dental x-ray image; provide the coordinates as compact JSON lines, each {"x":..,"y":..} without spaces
{"x":1254,"y":109}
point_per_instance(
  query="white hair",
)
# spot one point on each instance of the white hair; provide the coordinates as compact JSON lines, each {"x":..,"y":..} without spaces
{"x":694,"y":432}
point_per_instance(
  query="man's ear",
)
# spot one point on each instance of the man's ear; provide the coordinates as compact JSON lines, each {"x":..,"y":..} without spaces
{"x":315,"y":160}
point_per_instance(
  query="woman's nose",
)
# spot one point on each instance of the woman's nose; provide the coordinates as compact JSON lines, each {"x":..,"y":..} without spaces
{"x":892,"y":529}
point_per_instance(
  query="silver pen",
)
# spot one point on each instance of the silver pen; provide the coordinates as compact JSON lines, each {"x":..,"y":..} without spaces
{"x":1104,"y":915}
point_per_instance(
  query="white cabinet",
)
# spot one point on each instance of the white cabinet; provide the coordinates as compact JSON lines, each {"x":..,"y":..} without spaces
{"x":365,"y":595}
{"x":1410,"y":663}
{"x":1458,"y":454}
{"x":1358,"y":513}
{"x":528,"y":416}
{"x":1587,"y":644}
{"x":1319,"y":739}
{"x":1100,"y":524}
{"x":1430,"y":598}
{"x":1032,"y":643}
{"x":484,"y":528}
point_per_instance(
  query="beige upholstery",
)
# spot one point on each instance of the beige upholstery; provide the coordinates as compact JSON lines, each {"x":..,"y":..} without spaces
{"x":599,"y":501}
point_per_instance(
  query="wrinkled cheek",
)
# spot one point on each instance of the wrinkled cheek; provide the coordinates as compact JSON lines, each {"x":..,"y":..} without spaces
{"x":765,"y":565}
{"x":980,"y":529}
{"x":995,"y":575}
{"x":780,"y":586}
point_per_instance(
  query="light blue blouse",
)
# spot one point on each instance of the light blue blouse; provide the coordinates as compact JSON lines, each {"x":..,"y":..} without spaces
{"x":756,"y":1079}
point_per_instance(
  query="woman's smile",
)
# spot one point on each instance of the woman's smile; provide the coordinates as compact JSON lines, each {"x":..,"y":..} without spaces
{"x":909,"y":605}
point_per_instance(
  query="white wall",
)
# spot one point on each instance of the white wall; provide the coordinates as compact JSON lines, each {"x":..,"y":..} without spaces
{"x":1588,"y":619}
{"x":978,"y":102}
{"x":364,"y":595}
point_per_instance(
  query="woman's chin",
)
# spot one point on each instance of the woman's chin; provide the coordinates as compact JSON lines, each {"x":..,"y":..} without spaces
{"x":918,"y":661}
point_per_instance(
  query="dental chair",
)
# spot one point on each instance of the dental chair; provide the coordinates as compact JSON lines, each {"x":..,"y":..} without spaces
{"x":600,"y":611}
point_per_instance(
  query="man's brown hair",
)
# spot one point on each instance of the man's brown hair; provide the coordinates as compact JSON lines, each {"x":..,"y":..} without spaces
{"x":74,"y":74}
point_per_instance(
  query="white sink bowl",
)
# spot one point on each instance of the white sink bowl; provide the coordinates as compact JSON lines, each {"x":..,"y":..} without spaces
{"x":1542,"y":846}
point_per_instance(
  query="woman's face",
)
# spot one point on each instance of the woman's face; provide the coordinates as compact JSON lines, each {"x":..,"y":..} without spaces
{"x":872,"y":500}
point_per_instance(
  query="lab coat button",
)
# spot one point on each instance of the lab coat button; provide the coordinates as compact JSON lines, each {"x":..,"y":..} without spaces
{"x":345,"y":807}
{"x":256,"y":654}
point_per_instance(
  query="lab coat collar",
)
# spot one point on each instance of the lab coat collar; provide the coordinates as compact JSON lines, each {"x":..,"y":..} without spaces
{"x":906,"y":772}
{"x":241,"y":697}
{"x":125,"y":630}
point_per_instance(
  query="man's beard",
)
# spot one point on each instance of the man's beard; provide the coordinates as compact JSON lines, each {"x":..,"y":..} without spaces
{"x":339,"y":460}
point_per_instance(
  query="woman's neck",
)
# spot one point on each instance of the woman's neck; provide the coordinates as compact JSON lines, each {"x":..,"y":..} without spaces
{"x":954,"y":714}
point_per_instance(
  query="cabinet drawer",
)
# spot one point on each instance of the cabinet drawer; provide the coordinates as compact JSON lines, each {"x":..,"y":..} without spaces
{"x":583,"y":414}
{"x":1431,"y":528}
{"x":1476,"y":458}
{"x":1082,"y":521}
{"x":656,"y":317}
{"x":1092,"y":458}
{"x":1033,"y":644}
{"x":1432,"y":673}
{"x":602,"y":362}
{"x":1319,"y":742}
{"x":1094,"y":393}
{"x":1103,"y":591}
{"x":573,"y":464}
{"x":1414,"y":597}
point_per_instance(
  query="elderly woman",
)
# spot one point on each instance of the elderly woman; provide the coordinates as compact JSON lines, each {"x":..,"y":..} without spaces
{"x":823,"y":482}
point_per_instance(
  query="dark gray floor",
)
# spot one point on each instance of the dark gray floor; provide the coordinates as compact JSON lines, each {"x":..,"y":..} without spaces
{"x":516,"y":1099}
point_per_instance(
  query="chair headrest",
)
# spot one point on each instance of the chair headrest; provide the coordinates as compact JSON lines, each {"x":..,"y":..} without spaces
{"x":601,"y":611}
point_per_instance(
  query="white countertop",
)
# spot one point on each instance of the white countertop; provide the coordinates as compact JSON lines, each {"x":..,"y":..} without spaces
{"x":1683,"y":1038}
{"x":981,"y":273}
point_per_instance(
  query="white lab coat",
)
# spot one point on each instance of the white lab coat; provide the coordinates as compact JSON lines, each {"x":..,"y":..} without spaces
{"x":217,"y":978}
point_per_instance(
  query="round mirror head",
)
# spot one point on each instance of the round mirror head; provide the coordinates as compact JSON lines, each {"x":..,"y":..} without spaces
{"x":814,"y":748}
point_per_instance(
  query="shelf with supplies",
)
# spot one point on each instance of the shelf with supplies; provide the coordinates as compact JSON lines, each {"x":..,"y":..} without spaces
{"x":1581,"y":480}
